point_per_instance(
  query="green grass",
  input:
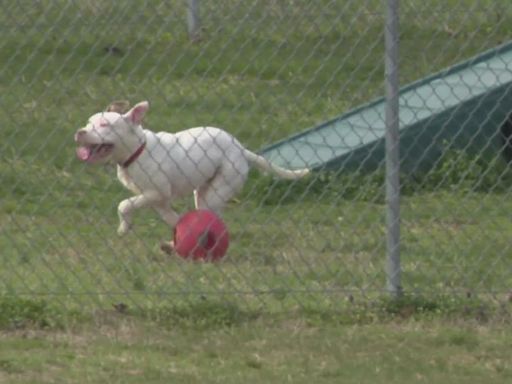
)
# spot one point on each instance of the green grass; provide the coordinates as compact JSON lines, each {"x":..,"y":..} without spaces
{"x":410,"y":340}
{"x":122,"y":350}
{"x":300,"y":296}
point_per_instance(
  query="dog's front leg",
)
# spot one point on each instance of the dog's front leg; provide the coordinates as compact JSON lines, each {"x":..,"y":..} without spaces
{"x":126,"y":207}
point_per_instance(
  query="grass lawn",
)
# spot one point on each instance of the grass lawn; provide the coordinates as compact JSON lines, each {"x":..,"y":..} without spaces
{"x":299,"y":297}
{"x":117,"y":350}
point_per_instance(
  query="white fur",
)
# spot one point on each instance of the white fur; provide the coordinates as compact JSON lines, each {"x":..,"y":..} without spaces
{"x":206,"y":161}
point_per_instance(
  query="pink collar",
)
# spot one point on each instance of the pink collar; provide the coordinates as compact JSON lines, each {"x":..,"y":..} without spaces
{"x":134,"y":156}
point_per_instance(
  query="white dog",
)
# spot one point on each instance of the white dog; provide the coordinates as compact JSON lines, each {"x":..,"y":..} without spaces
{"x":161,"y":167}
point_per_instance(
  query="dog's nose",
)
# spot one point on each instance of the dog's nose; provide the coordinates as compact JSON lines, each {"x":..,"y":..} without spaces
{"x":80,"y":133}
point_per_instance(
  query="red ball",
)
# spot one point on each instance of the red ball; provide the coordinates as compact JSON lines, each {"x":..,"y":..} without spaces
{"x":201,"y":235}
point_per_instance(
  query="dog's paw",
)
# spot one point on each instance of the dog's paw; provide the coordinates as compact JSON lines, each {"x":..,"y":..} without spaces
{"x":123,"y":229}
{"x":167,"y":247}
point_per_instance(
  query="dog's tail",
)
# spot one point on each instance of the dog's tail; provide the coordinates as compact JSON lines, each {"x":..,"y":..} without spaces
{"x":265,"y":165}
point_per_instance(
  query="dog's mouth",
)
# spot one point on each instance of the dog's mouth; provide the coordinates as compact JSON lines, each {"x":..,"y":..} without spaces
{"x":94,"y":152}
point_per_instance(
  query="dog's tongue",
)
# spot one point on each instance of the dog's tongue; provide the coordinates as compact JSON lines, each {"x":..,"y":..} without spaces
{"x":83,"y":153}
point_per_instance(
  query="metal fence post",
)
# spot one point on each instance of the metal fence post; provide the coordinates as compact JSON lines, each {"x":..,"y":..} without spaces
{"x":392,"y":149}
{"x":193,"y":22}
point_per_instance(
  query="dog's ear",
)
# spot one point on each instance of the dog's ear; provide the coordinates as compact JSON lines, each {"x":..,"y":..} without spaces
{"x":136,"y":114}
{"x":119,"y":106}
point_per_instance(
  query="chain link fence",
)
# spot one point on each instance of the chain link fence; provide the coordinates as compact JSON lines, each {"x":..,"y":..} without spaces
{"x":264,"y":71}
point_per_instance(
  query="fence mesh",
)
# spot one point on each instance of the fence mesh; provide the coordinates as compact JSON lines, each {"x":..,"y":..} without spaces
{"x":261,"y":70}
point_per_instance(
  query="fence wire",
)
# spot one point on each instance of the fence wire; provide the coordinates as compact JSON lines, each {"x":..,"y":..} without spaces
{"x":264,"y":71}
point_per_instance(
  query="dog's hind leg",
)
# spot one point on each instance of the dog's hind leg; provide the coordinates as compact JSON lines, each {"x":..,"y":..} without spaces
{"x":227,"y":182}
{"x":196,"y":198}
{"x":167,"y":213}
{"x":171,"y":218}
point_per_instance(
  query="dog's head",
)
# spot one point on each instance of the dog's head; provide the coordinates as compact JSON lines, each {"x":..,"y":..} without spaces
{"x":113,"y":134}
